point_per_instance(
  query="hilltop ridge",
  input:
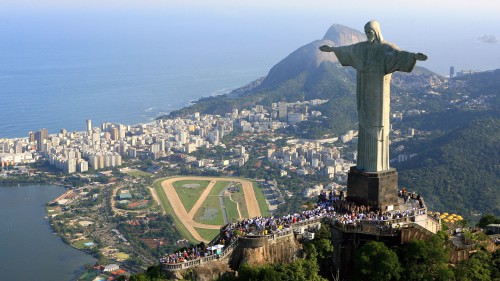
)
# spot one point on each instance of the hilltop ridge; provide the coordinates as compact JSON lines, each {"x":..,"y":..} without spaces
{"x":309,"y":57}
{"x":305,"y":74}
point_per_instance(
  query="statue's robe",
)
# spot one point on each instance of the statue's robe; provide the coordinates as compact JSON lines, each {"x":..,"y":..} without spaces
{"x":374,"y":63}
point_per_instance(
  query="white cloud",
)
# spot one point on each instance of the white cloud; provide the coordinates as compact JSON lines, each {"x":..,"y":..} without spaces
{"x":489,"y":39}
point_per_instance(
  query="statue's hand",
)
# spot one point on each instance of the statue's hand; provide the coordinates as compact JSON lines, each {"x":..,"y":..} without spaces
{"x":325,"y":48}
{"x":420,"y":56}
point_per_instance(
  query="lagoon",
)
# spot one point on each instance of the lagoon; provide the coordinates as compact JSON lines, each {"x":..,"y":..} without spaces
{"x":29,"y":249}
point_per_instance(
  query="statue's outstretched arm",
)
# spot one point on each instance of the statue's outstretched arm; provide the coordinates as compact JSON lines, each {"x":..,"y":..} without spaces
{"x":326,"y":48}
{"x":420,"y":56}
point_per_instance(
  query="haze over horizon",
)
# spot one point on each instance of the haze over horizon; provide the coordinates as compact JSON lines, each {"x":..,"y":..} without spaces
{"x":456,"y":33}
{"x":76,"y":58}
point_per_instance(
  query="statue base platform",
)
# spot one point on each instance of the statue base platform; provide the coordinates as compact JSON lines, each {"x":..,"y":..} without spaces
{"x":373,"y":188}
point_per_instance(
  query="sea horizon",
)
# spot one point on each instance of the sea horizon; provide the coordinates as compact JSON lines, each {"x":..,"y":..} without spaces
{"x":59,"y":68}
{"x":66,"y":95}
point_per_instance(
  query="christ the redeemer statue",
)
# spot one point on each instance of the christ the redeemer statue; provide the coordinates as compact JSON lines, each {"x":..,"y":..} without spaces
{"x":375,"y":60}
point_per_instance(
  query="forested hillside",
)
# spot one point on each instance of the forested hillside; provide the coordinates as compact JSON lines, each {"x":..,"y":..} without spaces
{"x":459,"y":171}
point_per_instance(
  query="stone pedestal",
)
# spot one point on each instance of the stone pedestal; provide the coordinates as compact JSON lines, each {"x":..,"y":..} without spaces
{"x":374,"y":188}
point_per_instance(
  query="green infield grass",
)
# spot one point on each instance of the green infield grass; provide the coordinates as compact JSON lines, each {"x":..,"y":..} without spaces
{"x":53,"y":210}
{"x":122,"y":256}
{"x":239,"y":197}
{"x":168,"y":208}
{"x":264,"y":209}
{"x":189,"y":191}
{"x":207,"y":234}
{"x":210,"y":211}
{"x":231,"y":209}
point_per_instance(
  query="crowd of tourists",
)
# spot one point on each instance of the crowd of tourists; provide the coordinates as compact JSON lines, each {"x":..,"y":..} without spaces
{"x":335,"y":207}
{"x":189,"y":253}
{"x":408,"y":197}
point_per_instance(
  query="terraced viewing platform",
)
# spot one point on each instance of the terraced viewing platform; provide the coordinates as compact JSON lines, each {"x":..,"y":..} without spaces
{"x":268,"y":231}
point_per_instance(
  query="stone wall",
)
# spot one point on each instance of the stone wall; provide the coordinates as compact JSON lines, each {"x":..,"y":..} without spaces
{"x":210,"y":272}
{"x":377,"y":188}
{"x":414,"y":233}
{"x":265,"y":250}
{"x":252,"y":250}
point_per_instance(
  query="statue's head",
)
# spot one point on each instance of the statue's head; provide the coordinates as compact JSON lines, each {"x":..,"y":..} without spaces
{"x":372,"y":31}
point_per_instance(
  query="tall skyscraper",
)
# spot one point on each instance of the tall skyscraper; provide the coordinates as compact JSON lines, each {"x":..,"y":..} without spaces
{"x":89,"y":125}
{"x":32,"y":137}
{"x":18,"y":147}
{"x":282,"y":110}
{"x":115,"y":133}
{"x":452,"y":71}
{"x":40,"y":136}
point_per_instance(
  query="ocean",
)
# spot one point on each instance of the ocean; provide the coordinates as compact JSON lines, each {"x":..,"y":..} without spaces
{"x":62,"y":90}
{"x":60,"y":67}
{"x":58,"y":70}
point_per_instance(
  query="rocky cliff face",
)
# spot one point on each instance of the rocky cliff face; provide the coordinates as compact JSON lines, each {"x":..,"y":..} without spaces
{"x":342,"y":35}
{"x":283,"y":250}
{"x":252,"y":251}
{"x":309,"y":57}
{"x":210,"y":272}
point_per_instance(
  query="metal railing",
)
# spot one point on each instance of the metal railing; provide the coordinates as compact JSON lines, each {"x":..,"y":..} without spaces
{"x":187,"y":264}
{"x":373,"y":227}
{"x":307,"y":222}
{"x":433,"y":218}
{"x":229,"y":249}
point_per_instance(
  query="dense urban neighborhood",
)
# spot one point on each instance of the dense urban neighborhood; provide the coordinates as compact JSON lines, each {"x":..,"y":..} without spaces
{"x":115,"y":208}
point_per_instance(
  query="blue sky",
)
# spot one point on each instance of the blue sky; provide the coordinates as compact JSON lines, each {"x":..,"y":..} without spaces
{"x":462,"y":33}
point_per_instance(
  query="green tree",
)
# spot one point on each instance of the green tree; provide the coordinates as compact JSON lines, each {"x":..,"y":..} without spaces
{"x":495,"y":261}
{"x":426,"y":260}
{"x":488,"y":219}
{"x":478,"y":268}
{"x":139,"y":277}
{"x":321,"y":250}
{"x":324,"y":249}
{"x":153,"y":273}
{"x":377,"y":262}
{"x":300,"y":270}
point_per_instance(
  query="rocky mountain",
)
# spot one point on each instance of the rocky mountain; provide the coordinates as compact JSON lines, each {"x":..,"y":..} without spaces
{"x":308,"y":58}
{"x":305,"y":74}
